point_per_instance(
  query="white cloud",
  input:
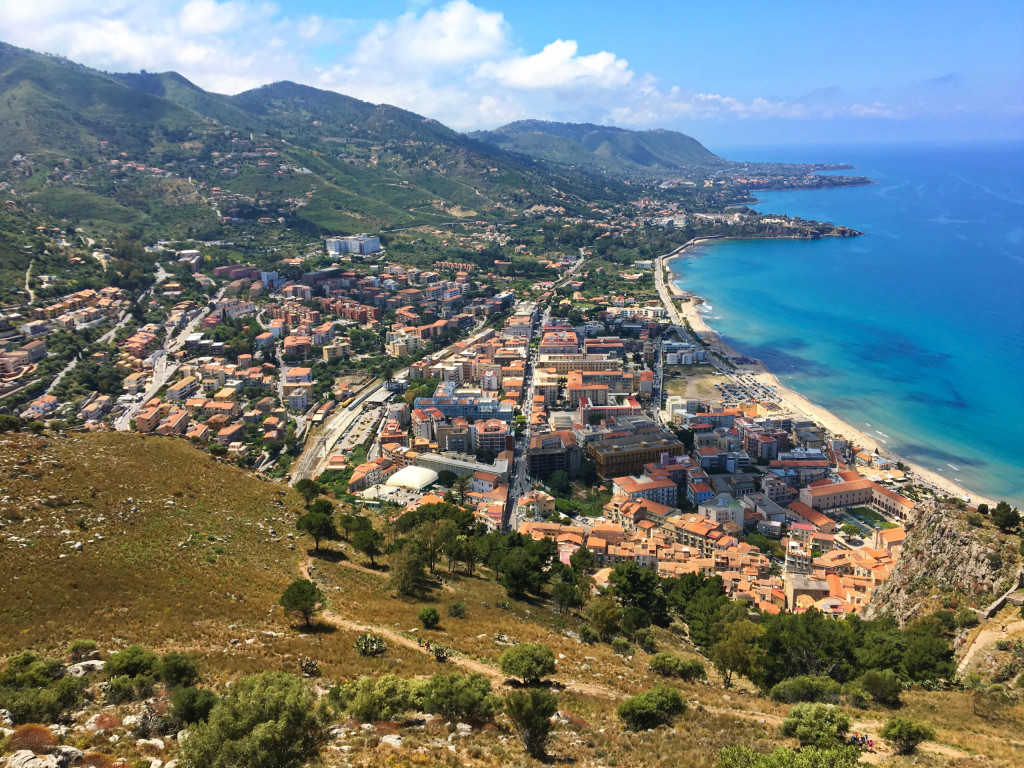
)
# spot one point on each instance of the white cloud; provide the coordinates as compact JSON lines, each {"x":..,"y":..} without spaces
{"x":208,"y":17}
{"x":457,"y":62}
{"x":558,"y":65}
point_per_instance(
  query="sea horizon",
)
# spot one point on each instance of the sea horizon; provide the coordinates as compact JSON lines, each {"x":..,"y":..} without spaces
{"x":913,"y":332}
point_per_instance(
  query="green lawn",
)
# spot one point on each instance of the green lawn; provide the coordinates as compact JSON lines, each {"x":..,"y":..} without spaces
{"x":873,"y":516}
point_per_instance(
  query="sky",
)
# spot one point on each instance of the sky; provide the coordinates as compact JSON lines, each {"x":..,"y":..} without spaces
{"x":745,"y":72}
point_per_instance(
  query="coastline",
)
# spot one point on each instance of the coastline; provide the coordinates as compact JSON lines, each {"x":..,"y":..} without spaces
{"x":688,"y":312}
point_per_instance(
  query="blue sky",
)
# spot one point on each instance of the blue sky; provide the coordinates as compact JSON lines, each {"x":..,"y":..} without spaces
{"x":728,"y":73}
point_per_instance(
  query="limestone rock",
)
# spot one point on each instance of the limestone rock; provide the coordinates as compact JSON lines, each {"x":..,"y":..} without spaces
{"x":392,"y":740}
{"x":83,"y":668}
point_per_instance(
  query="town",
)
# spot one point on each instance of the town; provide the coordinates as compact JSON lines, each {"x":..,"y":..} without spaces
{"x":599,"y":420}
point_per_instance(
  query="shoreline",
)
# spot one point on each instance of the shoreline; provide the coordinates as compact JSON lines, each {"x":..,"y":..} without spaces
{"x":788,"y":397}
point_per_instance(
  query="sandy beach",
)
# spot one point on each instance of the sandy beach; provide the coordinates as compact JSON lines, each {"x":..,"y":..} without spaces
{"x":789,"y":399}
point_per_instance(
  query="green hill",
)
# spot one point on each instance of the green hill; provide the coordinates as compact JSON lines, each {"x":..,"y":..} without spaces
{"x":159,"y":146}
{"x":604,"y":148}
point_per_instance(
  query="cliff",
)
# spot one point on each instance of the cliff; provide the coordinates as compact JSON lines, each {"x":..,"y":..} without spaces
{"x":948,"y":561}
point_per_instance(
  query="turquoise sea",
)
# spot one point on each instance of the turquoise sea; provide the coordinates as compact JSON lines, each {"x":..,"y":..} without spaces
{"x":913,"y":332}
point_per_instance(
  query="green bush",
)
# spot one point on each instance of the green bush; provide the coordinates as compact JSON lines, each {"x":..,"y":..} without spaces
{"x":883,"y":685}
{"x":670,"y":665}
{"x":192,"y":705}
{"x":966,"y":618}
{"x":588,"y":635}
{"x":855,"y":695}
{"x":459,"y":697}
{"x":646,"y":639}
{"x":530,"y":713}
{"x":372,"y":700}
{"x":120,"y":689}
{"x":816,"y":725}
{"x":904,"y":734}
{"x":178,"y":669}
{"x":622,"y":646}
{"x":530,"y":662}
{"x":81,"y":649}
{"x":658,"y":706}
{"x":131,"y":662}
{"x":807,"y":688}
{"x":45,"y":704}
{"x":810,"y":757}
{"x":270,"y":720}
{"x":429,"y":617}
{"x":457,"y":610}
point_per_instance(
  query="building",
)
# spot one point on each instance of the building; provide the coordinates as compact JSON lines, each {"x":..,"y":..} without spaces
{"x":550,"y":453}
{"x":723,"y":508}
{"x":362,"y":244}
{"x":619,"y":456}
{"x":662,"y":491}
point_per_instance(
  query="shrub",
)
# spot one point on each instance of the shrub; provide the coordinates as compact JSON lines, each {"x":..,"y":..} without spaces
{"x":816,"y":725}
{"x":647,"y":640}
{"x":975,"y":519}
{"x":658,"y":706}
{"x":622,"y":646}
{"x":176,"y":669}
{"x":833,"y":757}
{"x":530,"y":713}
{"x":855,"y":695}
{"x":192,"y":705}
{"x":372,"y":700}
{"x":429,"y":617}
{"x":588,"y":635}
{"x":670,"y":665}
{"x":965,"y":618}
{"x":33,"y":737}
{"x":461,"y":697}
{"x":441,"y":653}
{"x":904,"y":734}
{"x":883,"y":686}
{"x":97,"y":760}
{"x":42,"y":704}
{"x":807,"y":688}
{"x":370,"y":645}
{"x":457,"y":610}
{"x":269,"y":720}
{"x":81,"y":649}
{"x":131,"y":662}
{"x":530,"y":662}
{"x":120,"y":689}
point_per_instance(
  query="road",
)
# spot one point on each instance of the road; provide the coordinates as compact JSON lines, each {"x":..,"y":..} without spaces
{"x":163,"y":368}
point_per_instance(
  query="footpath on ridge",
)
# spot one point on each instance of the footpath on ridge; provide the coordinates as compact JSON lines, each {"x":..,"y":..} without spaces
{"x":870,"y":728}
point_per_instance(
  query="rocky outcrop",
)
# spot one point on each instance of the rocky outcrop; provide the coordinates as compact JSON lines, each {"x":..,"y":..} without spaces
{"x":61,"y":757}
{"x":946,"y":557}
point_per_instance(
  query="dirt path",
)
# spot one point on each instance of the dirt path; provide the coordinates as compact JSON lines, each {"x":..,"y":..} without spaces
{"x":984,"y":638}
{"x":870,"y":728}
{"x":28,"y":283}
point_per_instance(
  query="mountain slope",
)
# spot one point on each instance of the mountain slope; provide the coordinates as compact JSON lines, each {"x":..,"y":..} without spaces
{"x":54,"y":107}
{"x":289,"y":155}
{"x":603,"y":148}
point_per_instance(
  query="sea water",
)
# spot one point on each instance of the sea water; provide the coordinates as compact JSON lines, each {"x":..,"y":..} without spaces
{"x":913,"y":333}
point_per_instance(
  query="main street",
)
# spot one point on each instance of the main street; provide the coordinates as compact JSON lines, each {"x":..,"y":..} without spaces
{"x":163,"y":366}
{"x":518,"y":483}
